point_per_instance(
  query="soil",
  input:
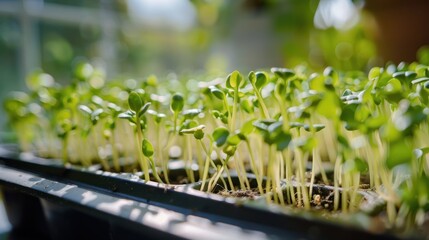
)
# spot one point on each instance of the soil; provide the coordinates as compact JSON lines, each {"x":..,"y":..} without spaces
{"x":321,"y":199}
{"x":364,"y":180}
{"x":248,"y":194}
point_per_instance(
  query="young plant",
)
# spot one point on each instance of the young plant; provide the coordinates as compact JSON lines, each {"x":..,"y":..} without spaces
{"x":109,"y":132}
{"x":158,"y":119}
{"x":198,"y":133}
{"x":135,"y":115}
{"x":93,"y":117}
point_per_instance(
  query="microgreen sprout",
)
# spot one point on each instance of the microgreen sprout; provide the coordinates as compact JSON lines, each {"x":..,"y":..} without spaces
{"x":135,"y":115}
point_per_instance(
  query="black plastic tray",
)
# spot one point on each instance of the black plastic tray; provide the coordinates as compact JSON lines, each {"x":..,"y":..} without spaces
{"x":163,"y":211}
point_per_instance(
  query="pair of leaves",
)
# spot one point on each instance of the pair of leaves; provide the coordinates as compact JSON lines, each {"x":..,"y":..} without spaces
{"x":94,"y":115}
{"x":258,"y":80}
{"x":222,"y":116}
{"x":235,"y":80}
{"x":137,"y":106}
{"x":273,"y":133}
{"x":196,"y":131}
{"x":157,"y":116}
{"x":221,"y":135}
{"x":283,"y":73}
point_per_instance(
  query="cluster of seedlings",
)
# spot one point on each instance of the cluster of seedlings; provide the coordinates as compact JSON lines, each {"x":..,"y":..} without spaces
{"x":284,"y":126}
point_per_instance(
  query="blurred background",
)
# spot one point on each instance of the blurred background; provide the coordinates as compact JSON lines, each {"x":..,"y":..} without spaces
{"x":136,"y":38}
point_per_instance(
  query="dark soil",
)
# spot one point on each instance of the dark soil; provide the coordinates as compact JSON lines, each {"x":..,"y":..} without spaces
{"x":248,"y":194}
{"x":321,"y":199}
{"x":364,"y":180}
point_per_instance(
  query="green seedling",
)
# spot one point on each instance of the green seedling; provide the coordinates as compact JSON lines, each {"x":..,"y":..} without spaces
{"x":93,"y":117}
{"x":198,"y":133}
{"x":176,"y":106}
{"x":136,"y":116}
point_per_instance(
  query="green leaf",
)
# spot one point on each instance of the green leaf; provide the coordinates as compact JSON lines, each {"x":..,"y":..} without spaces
{"x":229,"y":150}
{"x":191,"y":113}
{"x":96,"y":114}
{"x":362,"y":113}
{"x":258,"y":79}
{"x":38,"y":80}
{"x":332,"y":76}
{"x":135,"y":101}
{"x":143,"y":109}
{"x":129,"y":115}
{"x":71,"y":100}
{"x":235,"y":139}
{"x":404,"y":75}
{"x":188,"y":124}
{"x":329,"y":106}
{"x":177,"y":103}
{"x":247,"y":105}
{"x":113,"y":107}
{"x":159,"y":117}
{"x":329,"y":72}
{"x":97,"y":100}
{"x":147,"y":148}
{"x":280,"y":89}
{"x":317,"y":127}
{"x":283,"y":73}
{"x":142,"y":94}
{"x":374,"y":123}
{"x":234,"y":80}
{"x":85,"y":109}
{"x":84,"y":71}
{"x":393,"y":86}
{"x":410,"y":75}
{"x":276,"y":135}
{"x":343,"y":141}
{"x":275,"y":126}
{"x":353,"y":165}
{"x":247,"y":127}
{"x":374,"y":73}
{"x":317,"y":82}
{"x":252,"y":77}
{"x":346,"y":94}
{"x":399,"y":152}
{"x":217,"y":92}
{"x":306,"y":143}
{"x":262,"y":125}
{"x":199,"y":134}
{"x":192,"y":130}
{"x":282,"y":140}
{"x":152,"y":80}
{"x":420,"y":80}
{"x":296,"y":125}
{"x":220,"y":135}
{"x":390,"y":132}
{"x":361,"y":165}
{"x":416,"y":194}
{"x":261,"y":80}
{"x":399,"y":75}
